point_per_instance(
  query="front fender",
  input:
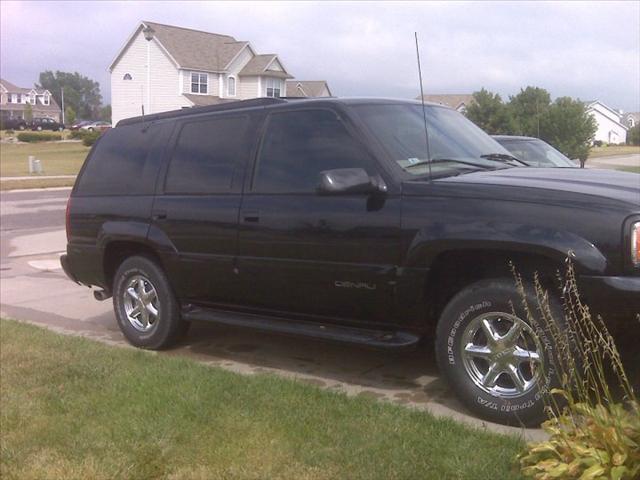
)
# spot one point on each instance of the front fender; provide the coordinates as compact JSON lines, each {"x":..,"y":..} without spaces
{"x":431,"y":241}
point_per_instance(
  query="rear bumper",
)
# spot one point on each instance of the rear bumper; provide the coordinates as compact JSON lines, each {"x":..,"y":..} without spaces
{"x":64,"y":261}
{"x":611,"y":296}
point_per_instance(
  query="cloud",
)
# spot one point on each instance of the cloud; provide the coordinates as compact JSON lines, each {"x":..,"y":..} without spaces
{"x":581,"y":49}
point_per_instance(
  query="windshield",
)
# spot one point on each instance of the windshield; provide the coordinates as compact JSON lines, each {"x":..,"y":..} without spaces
{"x":400,"y":129}
{"x":536,"y":153}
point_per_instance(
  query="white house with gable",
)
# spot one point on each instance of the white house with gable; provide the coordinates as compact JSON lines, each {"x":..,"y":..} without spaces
{"x":609,"y":123}
{"x":163,"y":67}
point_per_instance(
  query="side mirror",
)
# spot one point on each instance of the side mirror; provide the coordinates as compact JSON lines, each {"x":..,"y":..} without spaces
{"x":349,"y":180}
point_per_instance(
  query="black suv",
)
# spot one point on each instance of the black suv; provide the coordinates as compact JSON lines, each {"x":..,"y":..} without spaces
{"x":46,"y":123}
{"x":325,"y":218}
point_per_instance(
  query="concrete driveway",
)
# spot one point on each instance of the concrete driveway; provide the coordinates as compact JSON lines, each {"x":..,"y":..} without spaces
{"x":33,"y":288}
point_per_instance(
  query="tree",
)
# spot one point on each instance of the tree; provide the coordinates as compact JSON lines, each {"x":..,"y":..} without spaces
{"x":568,"y":127}
{"x":633,"y":135}
{"x":28,"y":113}
{"x":69,"y":115}
{"x":105,"y":113}
{"x":489,"y":113}
{"x":527,"y":109}
{"x":80,"y":93}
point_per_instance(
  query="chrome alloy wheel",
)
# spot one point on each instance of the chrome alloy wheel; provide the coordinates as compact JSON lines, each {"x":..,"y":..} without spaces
{"x":141,"y":303}
{"x":502,"y":354}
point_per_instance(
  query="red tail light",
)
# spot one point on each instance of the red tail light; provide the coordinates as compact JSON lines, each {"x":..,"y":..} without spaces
{"x":67,"y":219}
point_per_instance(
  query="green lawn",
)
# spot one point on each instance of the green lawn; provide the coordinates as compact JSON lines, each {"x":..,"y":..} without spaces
{"x":76,"y":409}
{"x":58,"y":158}
{"x":596,"y":152}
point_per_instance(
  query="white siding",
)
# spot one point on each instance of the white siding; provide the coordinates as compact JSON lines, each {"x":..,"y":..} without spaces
{"x":247,"y":87}
{"x":276,"y":65}
{"x":608,"y":130}
{"x":239,"y":63}
{"x":212,"y":88}
{"x":128,"y":96}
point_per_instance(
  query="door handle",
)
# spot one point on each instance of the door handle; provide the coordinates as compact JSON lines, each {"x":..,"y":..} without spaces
{"x":251,"y":216}
{"x":159,"y":215}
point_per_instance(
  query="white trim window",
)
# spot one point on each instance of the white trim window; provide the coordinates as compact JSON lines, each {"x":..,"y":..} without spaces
{"x":46,"y":100}
{"x":199,"y":83}
{"x":231,"y":86}
{"x":274,"y":87}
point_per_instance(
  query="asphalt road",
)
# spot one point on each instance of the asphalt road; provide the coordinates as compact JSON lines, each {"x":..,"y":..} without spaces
{"x":33,"y":288}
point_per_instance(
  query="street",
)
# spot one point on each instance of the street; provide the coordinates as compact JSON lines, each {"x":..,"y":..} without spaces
{"x":34,"y":288}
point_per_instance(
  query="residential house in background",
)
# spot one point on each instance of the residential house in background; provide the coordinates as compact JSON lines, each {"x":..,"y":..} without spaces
{"x":631,"y":119}
{"x":609,"y":123}
{"x":458,"y":102}
{"x":163,"y":67}
{"x":307,"y":88}
{"x":14,"y":100}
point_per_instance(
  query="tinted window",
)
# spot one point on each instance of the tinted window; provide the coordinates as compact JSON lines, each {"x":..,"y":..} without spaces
{"x":298,"y":146}
{"x":206,"y":155}
{"x":123,"y":162}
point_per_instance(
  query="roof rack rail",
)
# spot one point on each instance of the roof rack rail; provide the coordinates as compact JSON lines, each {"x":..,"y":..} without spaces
{"x":254,"y":102}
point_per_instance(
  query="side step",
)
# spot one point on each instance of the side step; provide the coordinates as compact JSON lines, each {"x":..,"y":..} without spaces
{"x":378,"y":339}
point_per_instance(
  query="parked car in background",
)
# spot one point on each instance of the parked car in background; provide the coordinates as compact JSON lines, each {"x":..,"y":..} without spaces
{"x":45,"y":123}
{"x":327,"y":218}
{"x":13,"y":124}
{"x":79,"y":124}
{"x":96,"y":126}
{"x":535,"y":152}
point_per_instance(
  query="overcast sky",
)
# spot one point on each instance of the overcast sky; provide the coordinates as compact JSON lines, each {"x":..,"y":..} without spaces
{"x":588,"y":50}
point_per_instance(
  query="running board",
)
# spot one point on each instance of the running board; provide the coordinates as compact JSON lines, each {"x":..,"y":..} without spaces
{"x":378,"y":339}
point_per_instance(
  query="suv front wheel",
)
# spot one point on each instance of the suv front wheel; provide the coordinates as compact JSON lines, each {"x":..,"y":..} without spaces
{"x":145,"y":306}
{"x":498,"y":364}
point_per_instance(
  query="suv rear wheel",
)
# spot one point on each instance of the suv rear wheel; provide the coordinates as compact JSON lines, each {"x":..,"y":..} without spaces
{"x":145,"y":306}
{"x":497,"y":363}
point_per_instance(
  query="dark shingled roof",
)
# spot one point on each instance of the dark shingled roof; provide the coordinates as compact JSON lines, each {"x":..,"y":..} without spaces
{"x":310,"y":88}
{"x":196,"y":49}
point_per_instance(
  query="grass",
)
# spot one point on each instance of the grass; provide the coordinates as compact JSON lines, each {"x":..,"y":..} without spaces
{"x":58,"y":158}
{"x":596,"y":152}
{"x":75,"y":409}
{"x":629,"y":169}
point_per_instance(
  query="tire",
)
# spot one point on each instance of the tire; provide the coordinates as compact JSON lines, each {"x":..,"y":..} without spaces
{"x":155,"y":332}
{"x":39,"y":128}
{"x":482,"y":373}
{"x":90,"y":129}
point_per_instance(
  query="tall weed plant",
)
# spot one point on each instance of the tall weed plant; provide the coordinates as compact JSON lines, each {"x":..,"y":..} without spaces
{"x":593,"y":414}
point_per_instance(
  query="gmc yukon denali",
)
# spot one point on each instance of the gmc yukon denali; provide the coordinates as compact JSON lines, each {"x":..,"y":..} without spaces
{"x":331,"y":219}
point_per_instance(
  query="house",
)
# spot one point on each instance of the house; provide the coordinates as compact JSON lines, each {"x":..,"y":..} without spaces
{"x":458,"y":102}
{"x":307,"y":88}
{"x":631,"y":119}
{"x":14,"y":100}
{"x":609,"y":122}
{"x":163,"y":67}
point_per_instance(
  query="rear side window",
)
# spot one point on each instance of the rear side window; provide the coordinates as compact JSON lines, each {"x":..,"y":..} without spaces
{"x":124,"y":162}
{"x":297,"y":146}
{"x":207,"y":154}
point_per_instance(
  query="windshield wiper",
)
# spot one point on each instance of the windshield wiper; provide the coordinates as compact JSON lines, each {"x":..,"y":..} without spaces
{"x":503,"y":157}
{"x":449,"y":160}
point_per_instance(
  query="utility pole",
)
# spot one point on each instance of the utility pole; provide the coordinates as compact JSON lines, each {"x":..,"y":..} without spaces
{"x":62,"y":102}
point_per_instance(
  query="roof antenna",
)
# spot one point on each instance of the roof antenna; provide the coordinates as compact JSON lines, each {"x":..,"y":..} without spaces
{"x":424,"y":110}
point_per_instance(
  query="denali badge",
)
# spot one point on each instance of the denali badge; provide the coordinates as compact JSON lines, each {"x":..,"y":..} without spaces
{"x":347,"y":284}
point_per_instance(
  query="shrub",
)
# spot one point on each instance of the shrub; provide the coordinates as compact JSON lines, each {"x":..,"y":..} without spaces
{"x":89,"y":138}
{"x":594,"y":432}
{"x":38,"y":137}
{"x":77,"y":134}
